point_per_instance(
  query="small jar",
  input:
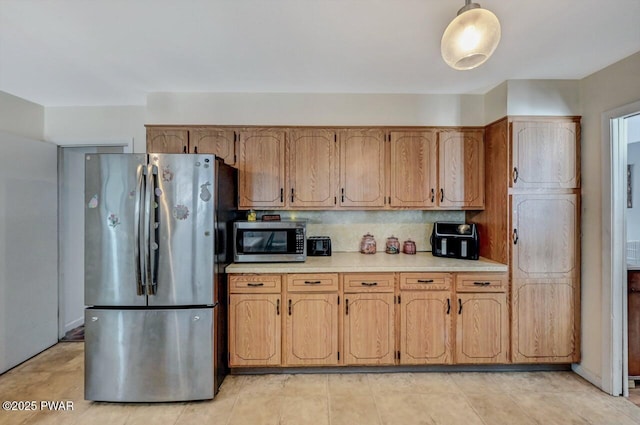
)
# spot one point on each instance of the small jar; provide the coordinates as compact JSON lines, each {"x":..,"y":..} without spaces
{"x":393,"y":245}
{"x":368,"y":244}
{"x":251,"y":215}
{"x":409,"y":247}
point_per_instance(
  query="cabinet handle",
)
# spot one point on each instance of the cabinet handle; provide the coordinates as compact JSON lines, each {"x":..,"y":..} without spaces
{"x":195,"y":149}
{"x":292,"y":194}
{"x":342,"y":195}
{"x":459,"y":306}
{"x":346,"y":306}
{"x":312,"y":282}
{"x":184,"y":149}
{"x":255,"y":284}
{"x":441,"y":195}
{"x":281,"y":195}
{"x":482,"y":283}
{"x":448,"y":306}
{"x":425,"y":280}
{"x":433,"y":195}
{"x":515,"y":236}
{"x":290,"y":307}
{"x":369,"y":283}
{"x":515,"y":174}
{"x":278,"y":307}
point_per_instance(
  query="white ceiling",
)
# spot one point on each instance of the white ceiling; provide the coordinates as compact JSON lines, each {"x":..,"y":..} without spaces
{"x":114,"y":52}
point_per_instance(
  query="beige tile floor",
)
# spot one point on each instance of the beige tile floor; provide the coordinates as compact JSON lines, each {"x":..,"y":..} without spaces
{"x":545,"y":398}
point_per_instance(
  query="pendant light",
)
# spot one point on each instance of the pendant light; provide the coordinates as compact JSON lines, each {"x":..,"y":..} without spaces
{"x":470,"y":38}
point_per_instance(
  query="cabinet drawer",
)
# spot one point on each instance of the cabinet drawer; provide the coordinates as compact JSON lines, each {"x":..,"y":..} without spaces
{"x":368,"y":282}
{"x":255,"y":283}
{"x":425,"y":281}
{"x":312,"y":282}
{"x":481,"y":282}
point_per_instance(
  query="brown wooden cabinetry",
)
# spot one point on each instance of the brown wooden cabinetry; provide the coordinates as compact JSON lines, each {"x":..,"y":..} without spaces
{"x":166,"y":140}
{"x":311,"y":336}
{"x":633,"y":303}
{"x":255,"y":326}
{"x":261,"y":165}
{"x":461,"y":169}
{"x":425,"y":318}
{"x":413,"y":169}
{"x":531,"y":221}
{"x":362,"y":168}
{"x":312,"y":169}
{"x":482,"y":318}
{"x":368,"y":320}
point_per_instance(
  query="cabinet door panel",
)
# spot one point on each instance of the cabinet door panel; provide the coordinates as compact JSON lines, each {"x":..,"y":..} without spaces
{"x":368,"y":329}
{"x":482,"y":331}
{"x":545,"y":236}
{"x":312,"y":329}
{"x":362,"y":174}
{"x":167,"y":141}
{"x":413,"y":169}
{"x":461,"y":169}
{"x":261,"y":169}
{"x":543,"y":324}
{"x":425,"y":327}
{"x":219,"y":142}
{"x":254,"y":330}
{"x":545,"y":154}
{"x":312,"y":169}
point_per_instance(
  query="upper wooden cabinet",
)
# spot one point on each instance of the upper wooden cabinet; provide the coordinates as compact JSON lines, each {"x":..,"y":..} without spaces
{"x":461,"y":169}
{"x":413,"y":169}
{"x":220,"y":142}
{"x":261,"y":168}
{"x":362,"y":168}
{"x":160,"y":140}
{"x":545,"y":236}
{"x":217,"y":141}
{"x":312,"y":169}
{"x":544,"y":154}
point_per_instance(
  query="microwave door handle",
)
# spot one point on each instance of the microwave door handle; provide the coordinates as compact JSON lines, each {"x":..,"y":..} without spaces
{"x":138,"y":224}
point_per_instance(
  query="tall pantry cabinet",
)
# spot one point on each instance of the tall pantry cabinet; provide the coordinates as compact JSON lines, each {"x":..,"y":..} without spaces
{"x":531,"y":221}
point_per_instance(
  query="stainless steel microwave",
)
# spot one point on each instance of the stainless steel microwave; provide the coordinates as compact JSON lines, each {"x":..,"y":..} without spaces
{"x":269,"y":241}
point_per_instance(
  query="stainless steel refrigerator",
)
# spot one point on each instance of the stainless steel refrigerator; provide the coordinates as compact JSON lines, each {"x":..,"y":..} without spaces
{"x":157,"y":230}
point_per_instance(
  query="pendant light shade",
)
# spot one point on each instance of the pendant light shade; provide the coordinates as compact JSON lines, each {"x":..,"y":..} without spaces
{"x":470,"y":38}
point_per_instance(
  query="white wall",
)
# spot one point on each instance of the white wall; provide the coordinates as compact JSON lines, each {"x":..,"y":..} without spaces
{"x":610,"y":88}
{"x":96,"y":125}
{"x":21,"y":117}
{"x":28,"y":248}
{"x":543,"y":97}
{"x":495,"y":103}
{"x":314,"y":109}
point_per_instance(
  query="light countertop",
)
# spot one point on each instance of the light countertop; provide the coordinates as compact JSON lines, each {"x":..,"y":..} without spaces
{"x":341,"y":262}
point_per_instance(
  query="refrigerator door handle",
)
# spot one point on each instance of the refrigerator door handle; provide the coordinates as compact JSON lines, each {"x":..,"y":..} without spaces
{"x":153,"y":226}
{"x":141,"y":173}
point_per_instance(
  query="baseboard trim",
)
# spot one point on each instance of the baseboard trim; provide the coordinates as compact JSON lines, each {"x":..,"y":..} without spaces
{"x":588,"y":375}
{"x":74,"y":324}
{"x":399,"y":369}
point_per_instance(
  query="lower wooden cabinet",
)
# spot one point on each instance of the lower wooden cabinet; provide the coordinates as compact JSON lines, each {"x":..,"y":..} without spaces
{"x":255,"y":330}
{"x":368,"y":329}
{"x":425,"y":327}
{"x":544,"y":323}
{"x":482,"y":328}
{"x":311,"y":330}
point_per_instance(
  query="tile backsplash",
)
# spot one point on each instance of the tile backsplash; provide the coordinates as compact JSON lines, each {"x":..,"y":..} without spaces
{"x":347,"y":227}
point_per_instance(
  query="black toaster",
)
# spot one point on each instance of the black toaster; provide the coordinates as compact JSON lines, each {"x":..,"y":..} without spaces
{"x":319,"y":246}
{"x":455,"y":240}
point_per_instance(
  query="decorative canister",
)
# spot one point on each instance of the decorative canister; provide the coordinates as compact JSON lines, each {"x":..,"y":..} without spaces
{"x":368,"y":244}
{"x":393,"y":245}
{"x":251,"y":215}
{"x":409,"y":247}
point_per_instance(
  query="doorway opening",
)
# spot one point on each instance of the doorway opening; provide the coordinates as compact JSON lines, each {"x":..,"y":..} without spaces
{"x":71,"y":236}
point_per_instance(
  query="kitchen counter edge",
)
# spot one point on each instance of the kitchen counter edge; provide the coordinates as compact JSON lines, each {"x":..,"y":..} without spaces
{"x":355,"y":262}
